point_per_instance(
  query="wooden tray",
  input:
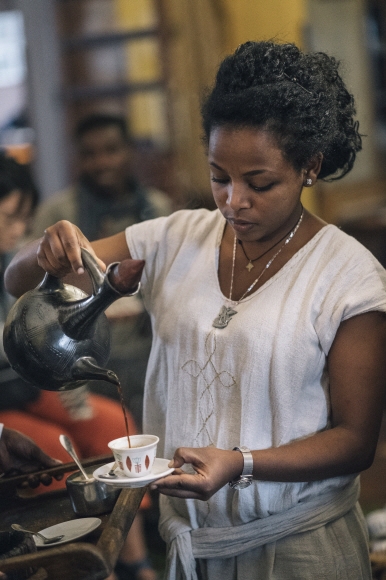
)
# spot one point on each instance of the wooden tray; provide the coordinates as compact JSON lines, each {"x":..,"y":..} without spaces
{"x":90,"y":558}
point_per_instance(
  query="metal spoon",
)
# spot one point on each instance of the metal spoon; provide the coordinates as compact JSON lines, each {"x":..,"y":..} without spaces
{"x":43,"y":538}
{"x":110,"y":474}
{"x":65,"y":441}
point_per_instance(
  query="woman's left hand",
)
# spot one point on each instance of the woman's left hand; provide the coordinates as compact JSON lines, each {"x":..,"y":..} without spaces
{"x":214,"y":468}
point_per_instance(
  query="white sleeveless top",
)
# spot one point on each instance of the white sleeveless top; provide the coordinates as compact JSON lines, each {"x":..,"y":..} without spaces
{"x":259,"y":382}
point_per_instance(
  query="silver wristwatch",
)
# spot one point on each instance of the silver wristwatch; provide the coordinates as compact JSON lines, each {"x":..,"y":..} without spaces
{"x":245,"y":479}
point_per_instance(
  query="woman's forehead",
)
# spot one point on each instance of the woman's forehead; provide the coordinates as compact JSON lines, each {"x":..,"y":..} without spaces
{"x":249,"y":145}
{"x":229,"y":133}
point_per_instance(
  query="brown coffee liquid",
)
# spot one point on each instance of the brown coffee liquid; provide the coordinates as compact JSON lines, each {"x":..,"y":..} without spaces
{"x":120,"y":392}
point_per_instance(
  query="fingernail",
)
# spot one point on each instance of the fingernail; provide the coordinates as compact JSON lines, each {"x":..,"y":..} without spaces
{"x":171,"y":463}
{"x":80,"y":271}
{"x":153,"y":486}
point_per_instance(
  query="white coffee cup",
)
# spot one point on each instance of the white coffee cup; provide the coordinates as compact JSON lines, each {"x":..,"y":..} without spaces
{"x":138,"y":459}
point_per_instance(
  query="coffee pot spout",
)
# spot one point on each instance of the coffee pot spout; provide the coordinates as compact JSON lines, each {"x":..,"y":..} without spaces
{"x":86,"y":369}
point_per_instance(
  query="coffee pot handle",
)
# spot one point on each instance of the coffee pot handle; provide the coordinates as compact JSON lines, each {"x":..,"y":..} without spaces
{"x":97,"y":276}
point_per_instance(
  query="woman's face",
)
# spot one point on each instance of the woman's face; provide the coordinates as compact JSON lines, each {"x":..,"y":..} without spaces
{"x":14,"y":216}
{"x":256,"y":189}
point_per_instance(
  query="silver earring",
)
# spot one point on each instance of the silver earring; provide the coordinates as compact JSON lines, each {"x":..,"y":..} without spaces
{"x":309,"y":181}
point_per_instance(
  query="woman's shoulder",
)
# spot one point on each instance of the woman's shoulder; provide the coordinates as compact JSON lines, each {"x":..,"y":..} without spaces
{"x":343,"y":262}
{"x":201,"y":218}
{"x":345,"y":278}
{"x":337,"y":244}
{"x":350,"y":243}
{"x":176,"y":231}
{"x":182,"y":223}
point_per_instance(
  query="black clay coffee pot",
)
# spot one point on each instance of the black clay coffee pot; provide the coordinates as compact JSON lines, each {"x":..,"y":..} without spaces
{"x":57,"y":338}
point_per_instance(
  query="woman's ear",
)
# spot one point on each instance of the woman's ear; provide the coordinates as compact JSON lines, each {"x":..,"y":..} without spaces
{"x":312,"y":170}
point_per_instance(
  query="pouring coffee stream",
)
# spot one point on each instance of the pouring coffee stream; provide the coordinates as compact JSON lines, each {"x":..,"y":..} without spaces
{"x":57,"y":338}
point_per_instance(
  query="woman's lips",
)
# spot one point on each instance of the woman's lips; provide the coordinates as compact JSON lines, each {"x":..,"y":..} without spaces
{"x":240,"y":225}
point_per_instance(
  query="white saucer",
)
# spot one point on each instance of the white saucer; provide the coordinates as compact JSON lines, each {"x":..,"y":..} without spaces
{"x":159,"y":469}
{"x":72,"y":530}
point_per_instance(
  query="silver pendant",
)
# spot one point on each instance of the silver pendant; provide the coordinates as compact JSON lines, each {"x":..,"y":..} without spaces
{"x":224,"y":317}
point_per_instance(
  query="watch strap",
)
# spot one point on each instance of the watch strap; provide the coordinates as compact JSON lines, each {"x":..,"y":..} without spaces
{"x":245,"y":478}
{"x":248,"y":460}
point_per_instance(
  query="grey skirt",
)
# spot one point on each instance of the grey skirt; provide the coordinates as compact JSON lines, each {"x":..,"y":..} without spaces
{"x":336,"y":551}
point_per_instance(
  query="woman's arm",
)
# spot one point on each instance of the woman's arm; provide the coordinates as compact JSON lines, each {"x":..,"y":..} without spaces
{"x":357,"y":370}
{"x":58,"y":252}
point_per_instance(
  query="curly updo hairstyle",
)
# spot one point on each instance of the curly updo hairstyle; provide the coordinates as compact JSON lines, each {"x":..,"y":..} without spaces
{"x":300,"y":98}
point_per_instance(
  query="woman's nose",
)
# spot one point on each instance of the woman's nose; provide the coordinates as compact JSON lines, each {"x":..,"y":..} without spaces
{"x":238,"y":196}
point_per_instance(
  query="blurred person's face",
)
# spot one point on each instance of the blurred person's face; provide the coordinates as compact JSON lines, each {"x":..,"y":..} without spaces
{"x":105,"y":159}
{"x":15,"y":213}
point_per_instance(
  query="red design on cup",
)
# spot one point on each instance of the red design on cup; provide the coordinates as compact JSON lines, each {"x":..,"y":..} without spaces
{"x":128,"y":463}
{"x":147,"y":462}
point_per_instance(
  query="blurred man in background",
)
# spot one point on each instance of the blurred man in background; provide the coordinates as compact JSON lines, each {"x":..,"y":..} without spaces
{"x":105,"y":199}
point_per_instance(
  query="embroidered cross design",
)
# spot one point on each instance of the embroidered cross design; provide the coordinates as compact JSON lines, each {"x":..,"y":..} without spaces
{"x":207,"y":377}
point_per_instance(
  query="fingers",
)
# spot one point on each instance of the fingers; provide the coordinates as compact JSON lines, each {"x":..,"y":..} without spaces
{"x":183,"y":485}
{"x":213,"y":469}
{"x":33,"y":481}
{"x":177,"y":461}
{"x":183,"y":455}
{"x":41,"y":459}
{"x":59,"y":251}
{"x":45,"y":479}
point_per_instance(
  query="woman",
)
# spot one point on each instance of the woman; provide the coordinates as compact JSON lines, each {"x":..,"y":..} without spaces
{"x":269,"y":332}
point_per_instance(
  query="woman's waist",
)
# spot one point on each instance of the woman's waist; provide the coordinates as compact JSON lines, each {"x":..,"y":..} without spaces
{"x":262,"y":499}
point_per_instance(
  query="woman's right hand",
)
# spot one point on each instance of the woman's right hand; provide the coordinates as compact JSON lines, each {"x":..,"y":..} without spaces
{"x":59,"y":253}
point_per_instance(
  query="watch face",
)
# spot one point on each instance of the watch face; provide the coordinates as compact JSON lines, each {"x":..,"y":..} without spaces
{"x":241,"y":483}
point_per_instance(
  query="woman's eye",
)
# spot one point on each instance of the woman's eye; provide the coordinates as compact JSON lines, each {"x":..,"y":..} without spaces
{"x":217,"y":180}
{"x":262,"y":188}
